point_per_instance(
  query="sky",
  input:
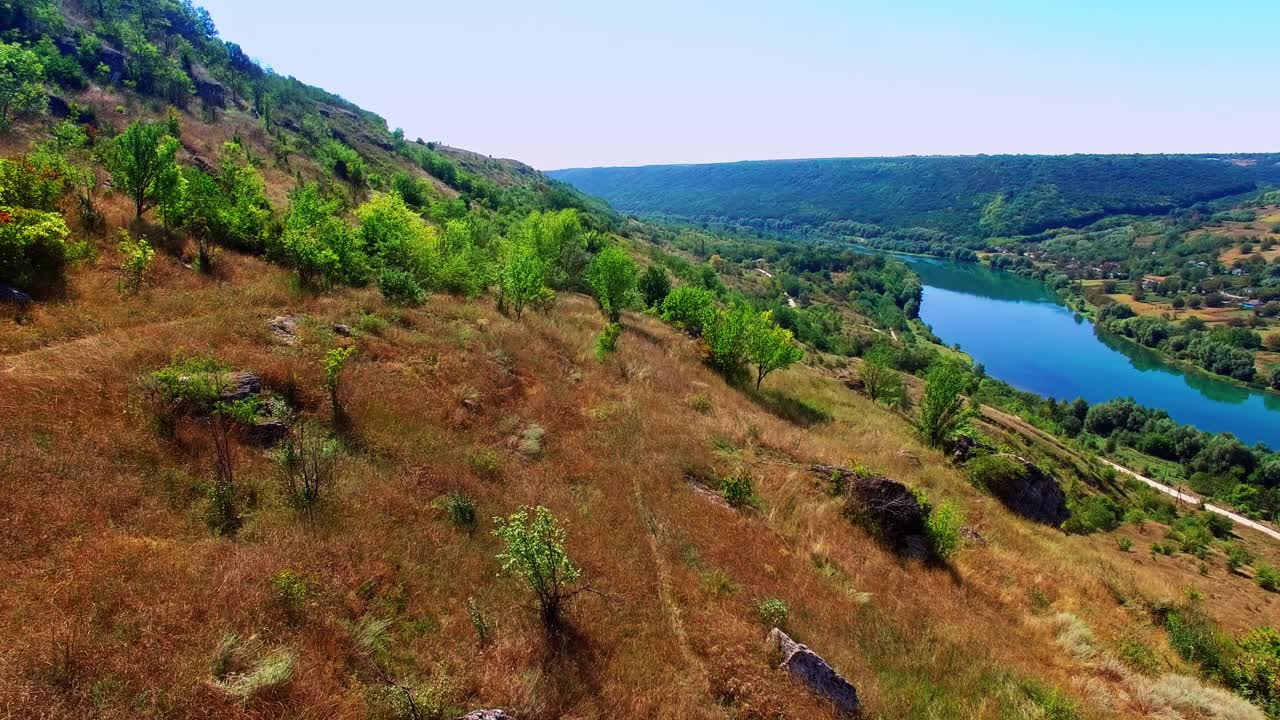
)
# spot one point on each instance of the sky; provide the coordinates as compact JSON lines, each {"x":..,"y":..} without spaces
{"x":584,"y":83}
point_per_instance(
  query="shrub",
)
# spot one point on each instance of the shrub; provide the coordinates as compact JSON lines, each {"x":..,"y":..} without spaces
{"x":21,"y":83}
{"x":400,"y":287}
{"x":727,"y":334}
{"x":942,"y":530}
{"x":223,"y":514}
{"x":143,"y":163}
{"x":1237,"y":556}
{"x":484,"y":462}
{"x":607,"y":341}
{"x":688,"y":308}
{"x":534,"y":552}
{"x":290,"y":590}
{"x":308,"y":466}
{"x":1268,"y":578}
{"x":137,"y":255}
{"x":33,"y":246}
{"x":880,"y":381}
{"x":994,"y":473}
{"x":654,"y":286}
{"x":318,"y":244}
{"x":700,"y":403}
{"x":773,"y":612}
{"x":522,"y":278}
{"x":460,"y":509}
{"x":479,"y":621}
{"x":1125,"y":544}
{"x":334,"y":361}
{"x":770,"y":347}
{"x":1092,"y":514}
{"x":738,"y":489}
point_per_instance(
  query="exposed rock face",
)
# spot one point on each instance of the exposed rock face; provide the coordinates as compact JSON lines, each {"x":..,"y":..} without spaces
{"x":266,"y":433}
{"x":809,"y":668}
{"x":209,"y":90}
{"x":887,"y":508}
{"x":485,"y":715}
{"x":965,"y":447}
{"x":1034,"y":494}
{"x":240,"y":385}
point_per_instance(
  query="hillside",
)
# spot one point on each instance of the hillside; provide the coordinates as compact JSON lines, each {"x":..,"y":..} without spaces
{"x":268,"y":416}
{"x":963,"y":196}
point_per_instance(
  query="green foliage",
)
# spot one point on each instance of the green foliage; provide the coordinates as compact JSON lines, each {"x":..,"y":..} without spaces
{"x":334,"y":361}
{"x":1092,"y":514}
{"x":654,"y":286}
{"x":308,"y":461}
{"x":522,"y":277}
{"x":612,"y":277}
{"x":689,"y":308}
{"x":136,"y":254}
{"x":994,"y":473}
{"x":143,"y":163}
{"x":290,"y":591}
{"x":534,"y":552}
{"x":21,"y":83}
{"x":188,"y":384}
{"x":607,"y":341}
{"x":1125,"y":544}
{"x":318,"y":244}
{"x":460,"y":509}
{"x":1237,"y":556}
{"x":770,"y":347}
{"x":400,"y":287}
{"x":230,"y":208}
{"x":942,"y":530}
{"x":943,"y":409}
{"x":727,"y":335}
{"x":773,"y":613}
{"x":557,"y":240}
{"x":34,"y":246}
{"x":1267,"y":577}
{"x":880,"y":381}
{"x":398,"y":238}
{"x":738,"y":489}
{"x":479,"y":621}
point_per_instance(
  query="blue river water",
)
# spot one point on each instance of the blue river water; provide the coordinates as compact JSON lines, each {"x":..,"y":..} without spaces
{"x":1015,"y":327}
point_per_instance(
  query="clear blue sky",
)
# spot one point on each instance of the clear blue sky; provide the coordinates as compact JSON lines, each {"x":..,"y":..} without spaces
{"x":565,"y":83}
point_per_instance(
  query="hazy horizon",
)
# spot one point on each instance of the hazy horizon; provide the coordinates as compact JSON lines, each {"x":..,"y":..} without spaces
{"x":573,"y":84}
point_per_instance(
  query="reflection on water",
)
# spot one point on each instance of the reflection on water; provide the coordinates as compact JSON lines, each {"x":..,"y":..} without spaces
{"x":1015,"y":327}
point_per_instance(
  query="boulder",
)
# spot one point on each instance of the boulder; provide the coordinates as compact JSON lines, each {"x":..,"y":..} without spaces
{"x":211,"y":92}
{"x":485,"y":715}
{"x":809,"y":668}
{"x":284,"y":329}
{"x":965,"y":447}
{"x":239,"y":385}
{"x":343,"y":330}
{"x":885,"y":507}
{"x":265,"y":433}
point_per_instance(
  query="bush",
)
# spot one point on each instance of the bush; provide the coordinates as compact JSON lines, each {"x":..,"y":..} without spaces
{"x":942,"y":530}
{"x":773,"y":612}
{"x":308,"y":466}
{"x":612,"y":277}
{"x":1093,"y":514}
{"x":688,"y":308}
{"x":943,"y":409}
{"x":1268,"y":578}
{"x":33,"y":246}
{"x":137,"y":255}
{"x":1237,"y":556}
{"x":1125,"y":544}
{"x":727,"y":334}
{"x":318,"y":244}
{"x":461,"y":509}
{"x":738,"y":489}
{"x":244,"y":668}
{"x":654,"y":286}
{"x":290,"y":591}
{"x":534,"y":552}
{"x":400,"y":287}
{"x":607,"y":341}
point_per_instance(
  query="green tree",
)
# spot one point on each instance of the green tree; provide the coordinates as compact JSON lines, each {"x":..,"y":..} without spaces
{"x":334,"y":361}
{"x":654,"y":286}
{"x":612,"y":277}
{"x":727,"y":334}
{"x":521,"y":279}
{"x":771,"y":347}
{"x":21,"y":83}
{"x":318,"y":244}
{"x":943,"y":409}
{"x":881,"y":382}
{"x":535,"y":553}
{"x":143,"y":161}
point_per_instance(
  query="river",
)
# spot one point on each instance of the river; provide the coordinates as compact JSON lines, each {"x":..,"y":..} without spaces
{"x":1016,"y":328}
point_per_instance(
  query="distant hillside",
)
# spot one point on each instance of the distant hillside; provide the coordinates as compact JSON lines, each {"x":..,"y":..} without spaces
{"x":979,"y":196}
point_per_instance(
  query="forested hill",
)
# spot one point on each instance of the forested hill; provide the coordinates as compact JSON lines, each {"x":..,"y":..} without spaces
{"x":980,"y":196}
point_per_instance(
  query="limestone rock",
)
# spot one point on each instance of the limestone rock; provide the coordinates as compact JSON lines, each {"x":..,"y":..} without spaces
{"x":284,"y":329}
{"x":485,"y":715}
{"x":239,"y":385}
{"x":809,"y":668}
{"x":1033,"y":494}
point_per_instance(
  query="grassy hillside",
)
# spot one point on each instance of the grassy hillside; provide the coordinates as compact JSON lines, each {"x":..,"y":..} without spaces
{"x":963,"y":196}
{"x":425,"y":325}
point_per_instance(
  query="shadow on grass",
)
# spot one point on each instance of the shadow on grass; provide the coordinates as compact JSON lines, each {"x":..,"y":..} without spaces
{"x":794,"y":410}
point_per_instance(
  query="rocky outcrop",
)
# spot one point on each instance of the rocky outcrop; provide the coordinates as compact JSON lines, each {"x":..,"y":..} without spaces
{"x":963,"y":448}
{"x":809,"y":668}
{"x":211,"y":92}
{"x":1032,"y":493}
{"x":284,"y":329}
{"x":885,"y":507}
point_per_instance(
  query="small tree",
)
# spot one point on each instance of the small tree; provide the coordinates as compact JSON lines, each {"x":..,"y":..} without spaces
{"x":21,"y":83}
{"x":224,"y":516}
{"x":334,"y":361}
{"x":535,"y":553}
{"x":771,"y":347}
{"x":943,"y":409}
{"x":521,"y":279}
{"x":308,"y":464}
{"x":142,"y":161}
{"x":881,"y":382}
{"x":612,"y":277}
{"x":137,"y":256}
{"x":654,"y":286}
{"x":726,"y":335}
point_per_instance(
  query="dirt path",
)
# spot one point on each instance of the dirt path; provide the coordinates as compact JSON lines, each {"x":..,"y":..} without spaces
{"x":1194,"y":500}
